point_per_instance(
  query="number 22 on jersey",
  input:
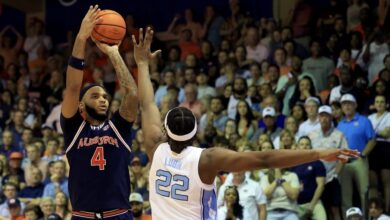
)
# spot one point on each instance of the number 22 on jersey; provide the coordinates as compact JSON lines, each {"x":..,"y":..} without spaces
{"x":177,"y":184}
{"x":98,"y":158}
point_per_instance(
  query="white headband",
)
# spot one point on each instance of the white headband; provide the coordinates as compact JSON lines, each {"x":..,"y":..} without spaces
{"x":175,"y":137}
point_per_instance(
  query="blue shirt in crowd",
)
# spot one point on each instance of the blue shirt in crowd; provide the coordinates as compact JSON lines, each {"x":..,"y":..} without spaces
{"x":50,"y":189}
{"x":358,"y":131}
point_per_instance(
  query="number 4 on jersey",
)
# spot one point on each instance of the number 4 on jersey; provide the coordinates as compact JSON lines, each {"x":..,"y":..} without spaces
{"x":98,"y":158}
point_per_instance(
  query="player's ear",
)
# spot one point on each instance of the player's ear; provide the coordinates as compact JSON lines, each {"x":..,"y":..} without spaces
{"x":81,"y":107}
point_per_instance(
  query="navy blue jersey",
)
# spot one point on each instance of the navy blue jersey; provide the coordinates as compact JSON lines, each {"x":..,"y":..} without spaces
{"x":98,"y":157}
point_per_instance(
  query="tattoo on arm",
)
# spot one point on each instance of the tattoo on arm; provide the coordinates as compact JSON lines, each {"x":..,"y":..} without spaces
{"x":129,"y":102}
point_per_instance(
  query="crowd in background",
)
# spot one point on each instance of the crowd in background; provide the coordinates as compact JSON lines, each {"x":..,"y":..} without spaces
{"x":322,"y":81}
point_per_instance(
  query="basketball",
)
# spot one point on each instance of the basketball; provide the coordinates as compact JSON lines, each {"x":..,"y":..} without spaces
{"x":110,"y":29}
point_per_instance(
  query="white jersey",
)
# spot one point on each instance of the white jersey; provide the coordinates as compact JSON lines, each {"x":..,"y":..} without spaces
{"x":175,"y":188}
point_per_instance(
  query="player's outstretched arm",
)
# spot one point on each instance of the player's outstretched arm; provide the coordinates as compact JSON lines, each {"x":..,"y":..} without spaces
{"x":129,"y":104}
{"x":150,"y":115}
{"x":74,"y":72}
{"x":214,"y":160}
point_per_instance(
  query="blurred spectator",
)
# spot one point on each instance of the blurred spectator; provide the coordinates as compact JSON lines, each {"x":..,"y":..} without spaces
{"x":333,"y":81}
{"x":204,"y":90}
{"x":191,"y":102}
{"x":214,"y":117}
{"x":61,"y":202}
{"x":6,"y":103}
{"x":59,"y":182}
{"x":51,"y":151}
{"x":256,"y":77}
{"x":138,"y":149}
{"x":15,"y":165}
{"x":383,"y":14}
{"x":318,"y":66}
{"x":173,"y":62}
{"x":353,"y":13}
{"x":9,"y":50}
{"x":374,"y":53}
{"x":303,"y":91}
{"x":137,"y":203}
{"x":32,"y":212}
{"x":272,"y":101}
{"x":312,"y":181}
{"x":281,"y":188}
{"x":328,"y":137}
{"x":360,"y":135}
{"x":212,"y":26}
{"x":239,"y":93}
{"x":312,"y":122}
{"x":298,"y":112}
{"x":300,"y":18}
{"x":347,"y":85}
{"x":245,"y":121}
{"x":376,"y":209}
{"x":231,"y":208}
{"x":6,"y":147}
{"x":228,"y":73}
{"x":252,"y":198}
{"x":255,"y":50}
{"x":287,"y":140}
{"x":187,"y":46}
{"x":34,"y":160}
{"x":271,"y":128}
{"x":378,"y":158}
{"x":139,"y":181}
{"x":35,"y":187}
{"x":280,"y":59}
{"x":17,"y":126}
{"x":287,"y":83}
{"x":290,"y":124}
{"x":354,"y":213}
{"x":15,"y":210}
{"x":380,"y":87}
{"x":10,"y":191}
{"x":169,"y":80}
{"x":36,"y":38}
{"x":288,"y":35}
{"x":47,"y":207}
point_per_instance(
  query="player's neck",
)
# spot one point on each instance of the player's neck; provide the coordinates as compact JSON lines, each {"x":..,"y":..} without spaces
{"x":93,"y":121}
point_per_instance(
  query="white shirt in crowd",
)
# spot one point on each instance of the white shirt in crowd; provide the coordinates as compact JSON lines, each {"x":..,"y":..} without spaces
{"x":251,"y":196}
{"x":383,"y":217}
{"x":308,"y":126}
{"x":375,"y":64}
{"x":380,"y":123}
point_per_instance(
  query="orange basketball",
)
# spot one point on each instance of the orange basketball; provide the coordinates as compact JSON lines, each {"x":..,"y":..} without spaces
{"x":110,"y":29}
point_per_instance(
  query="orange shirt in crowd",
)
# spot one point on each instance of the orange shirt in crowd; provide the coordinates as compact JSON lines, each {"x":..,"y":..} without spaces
{"x":190,"y":48}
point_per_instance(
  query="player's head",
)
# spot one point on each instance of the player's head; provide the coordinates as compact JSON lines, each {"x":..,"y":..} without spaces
{"x":180,"y":125}
{"x":94,"y":102}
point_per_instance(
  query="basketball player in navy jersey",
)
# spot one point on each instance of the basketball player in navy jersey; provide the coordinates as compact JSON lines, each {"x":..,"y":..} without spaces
{"x":97,"y":147}
{"x":181,"y":177}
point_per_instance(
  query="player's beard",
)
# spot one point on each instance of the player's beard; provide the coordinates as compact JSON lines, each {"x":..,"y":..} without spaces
{"x":137,"y":214}
{"x":94,"y":114}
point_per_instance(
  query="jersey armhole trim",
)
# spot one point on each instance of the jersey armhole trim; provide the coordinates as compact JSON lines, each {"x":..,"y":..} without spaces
{"x":119,"y":135}
{"x":75,"y":137}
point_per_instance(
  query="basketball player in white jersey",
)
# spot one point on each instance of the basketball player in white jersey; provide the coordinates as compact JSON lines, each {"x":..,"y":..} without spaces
{"x":181,"y":177}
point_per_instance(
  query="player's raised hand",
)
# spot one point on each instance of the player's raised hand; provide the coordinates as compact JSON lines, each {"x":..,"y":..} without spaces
{"x":88,"y":23}
{"x":338,"y":154}
{"x":142,"y":53}
{"x":105,"y":48}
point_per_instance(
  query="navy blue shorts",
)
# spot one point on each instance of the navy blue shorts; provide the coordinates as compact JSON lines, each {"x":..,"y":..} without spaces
{"x":124,"y":216}
{"x":331,"y":196}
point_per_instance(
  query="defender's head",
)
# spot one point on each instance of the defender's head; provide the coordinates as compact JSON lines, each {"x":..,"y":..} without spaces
{"x":94,"y":102}
{"x":180,"y":125}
